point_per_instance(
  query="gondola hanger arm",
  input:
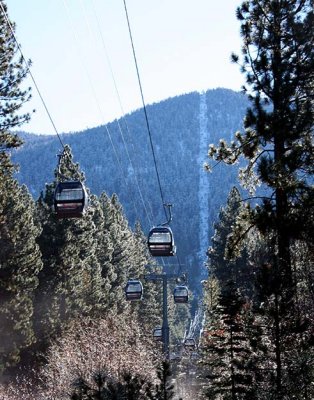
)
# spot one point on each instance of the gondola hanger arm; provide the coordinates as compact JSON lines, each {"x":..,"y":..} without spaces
{"x":167,"y":206}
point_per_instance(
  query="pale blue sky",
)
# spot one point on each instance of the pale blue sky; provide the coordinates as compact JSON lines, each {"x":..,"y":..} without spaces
{"x":181,"y":46}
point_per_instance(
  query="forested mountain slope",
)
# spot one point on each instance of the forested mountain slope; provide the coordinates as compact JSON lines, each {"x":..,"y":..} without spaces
{"x":117,"y":158}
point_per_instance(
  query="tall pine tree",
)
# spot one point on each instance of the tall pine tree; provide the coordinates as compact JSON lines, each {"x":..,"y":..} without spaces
{"x":20,"y":259}
{"x":277,"y":59}
{"x":70,"y":283}
{"x":219,"y":264}
{"x":12,"y":95}
{"x":20,"y":263}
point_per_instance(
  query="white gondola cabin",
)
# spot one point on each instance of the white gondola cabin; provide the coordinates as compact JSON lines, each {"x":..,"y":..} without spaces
{"x":134,"y":290}
{"x":181,"y":294}
{"x":70,"y":199}
{"x":157,"y":334}
{"x":160,"y":242}
{"x":189,"y":343}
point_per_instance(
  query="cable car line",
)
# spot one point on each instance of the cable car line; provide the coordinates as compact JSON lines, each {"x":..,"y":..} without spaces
{"x":30,"y":73}
{"x":162,"y":246}
{"x":110,"y":138}
{"x":144,"y":108}
{"x":98,"y":105}
{"x":109,"y":135}
{"x":121,"y":108}
{"x":146,"y":118}
{"x":170,"y":250}
{"x":169,"y":219}
{"x":180,"y":266}
{"x":70,"y":199}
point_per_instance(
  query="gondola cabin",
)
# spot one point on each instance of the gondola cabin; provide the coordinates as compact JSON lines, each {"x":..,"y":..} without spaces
{"x":189,"y":343}
{"x":181,"y":294}
{"x":70,"y":199}
{"x":160,"y":242}
{"x":157,"y":334}
{"x":134,"y":290}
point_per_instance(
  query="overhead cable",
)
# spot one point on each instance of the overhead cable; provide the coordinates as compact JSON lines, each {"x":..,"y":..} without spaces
{"x":146,"y":118}
{"x":144,"y":108}
{"x":30,"y":72}
{"x":98,"y":105}
{"x":121,"y":108}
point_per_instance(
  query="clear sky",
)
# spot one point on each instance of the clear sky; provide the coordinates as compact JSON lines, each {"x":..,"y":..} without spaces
{"x":79,"y":48}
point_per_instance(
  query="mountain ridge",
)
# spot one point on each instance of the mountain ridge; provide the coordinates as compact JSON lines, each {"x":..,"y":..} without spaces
{"x":175,"y":125}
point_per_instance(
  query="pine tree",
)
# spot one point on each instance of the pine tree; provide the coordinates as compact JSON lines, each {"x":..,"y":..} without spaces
{"x":164,"y":389}
{"x":70,"y":283}
{"x":19,"y":254}
{"x":124,"y":256}
{"x":277,"y":142}
{"x":219,"y":264}
{"x":277,"y":59}
{"x":105,"y":388}
{"x":104,"y":250}
{"x":227,"y":348}
{"x":121,"y":246}
{"x":12,"y":96}
{"x":20,"y":263}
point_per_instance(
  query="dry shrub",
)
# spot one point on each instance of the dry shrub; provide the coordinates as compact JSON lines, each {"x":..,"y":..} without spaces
{"x":113,"y":345}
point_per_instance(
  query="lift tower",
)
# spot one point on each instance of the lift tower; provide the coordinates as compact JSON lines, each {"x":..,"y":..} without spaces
{"x":164,"y":278}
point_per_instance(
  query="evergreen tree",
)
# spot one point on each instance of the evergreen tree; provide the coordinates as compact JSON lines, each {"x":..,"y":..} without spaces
{"x":105,"y":388}
{"x":278,"y":62}
{"x":12,"y":96}
{"x":227,"y":348}
{"x":122,"y":248}
{"x":124,"y":256}
{"x":20,"y":263}
{"x":104,"y":249}
{"x":223,"y":268}
{"x":70,"y":283}
{"x":164,"y":389}
{"x":19,"y":254}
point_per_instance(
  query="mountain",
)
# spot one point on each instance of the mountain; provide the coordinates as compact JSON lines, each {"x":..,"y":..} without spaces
{"x":117,"y":158}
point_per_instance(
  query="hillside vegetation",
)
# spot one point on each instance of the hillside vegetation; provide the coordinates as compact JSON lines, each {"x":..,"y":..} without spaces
{"x":68,"y":329}
{"x":117,"y":158}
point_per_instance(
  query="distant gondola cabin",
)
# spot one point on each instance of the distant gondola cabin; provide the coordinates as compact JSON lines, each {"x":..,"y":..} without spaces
{"x":181,"y":294}
{"x":161,"y":242}
{"x":189,"y":343}
{"x":157,"y":334}
{"x":134,"y":290}
{"x":70,"y":199}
